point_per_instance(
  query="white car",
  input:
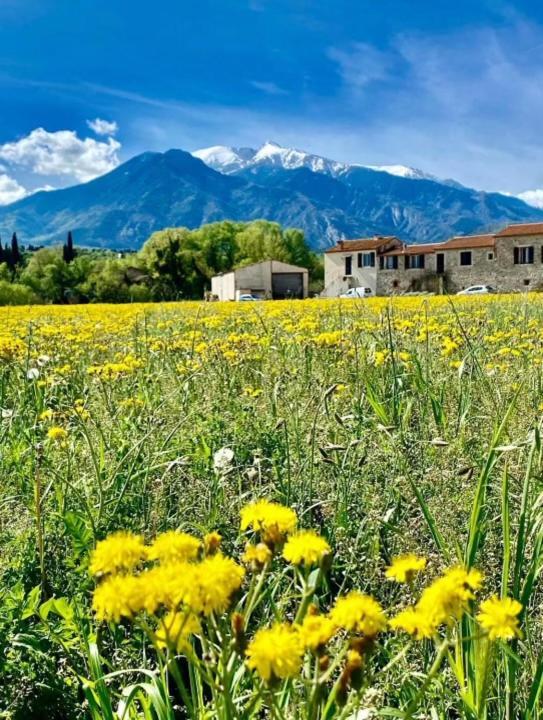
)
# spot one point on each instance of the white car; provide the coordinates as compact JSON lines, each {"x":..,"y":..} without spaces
{"x":357,"y":292}
{"x":476,"y":290}
{"x":247,"y":297}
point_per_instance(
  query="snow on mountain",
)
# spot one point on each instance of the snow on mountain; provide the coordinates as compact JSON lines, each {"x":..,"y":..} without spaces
{"x":230,"y":160}
{"x":403,"y":171}
{"x":290,"y":159}
{"x":225,"y":159}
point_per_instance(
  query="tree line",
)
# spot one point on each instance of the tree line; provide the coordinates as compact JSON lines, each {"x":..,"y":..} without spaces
{"x":173,"y":264}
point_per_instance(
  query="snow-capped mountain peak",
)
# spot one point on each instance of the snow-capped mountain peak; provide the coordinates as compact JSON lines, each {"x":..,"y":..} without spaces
{"x":403,"y":171}
{"x":230,"y":160}
{"x":225,"y":159}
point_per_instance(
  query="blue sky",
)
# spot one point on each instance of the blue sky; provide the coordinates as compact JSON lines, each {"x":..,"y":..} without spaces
{"x":454,"y":88}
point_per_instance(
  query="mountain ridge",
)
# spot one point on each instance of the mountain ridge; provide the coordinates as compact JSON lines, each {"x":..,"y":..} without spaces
{"x":327,"y":199}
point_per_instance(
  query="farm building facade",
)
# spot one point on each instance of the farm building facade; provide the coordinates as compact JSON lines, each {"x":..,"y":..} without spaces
{"x":270,"y":279}
{"x":509,"y":260}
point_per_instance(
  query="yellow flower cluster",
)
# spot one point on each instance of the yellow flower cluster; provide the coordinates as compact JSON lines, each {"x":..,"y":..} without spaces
{"x":271,"y":520}
{"x":186,"y":583}
{"x":178,"y":580}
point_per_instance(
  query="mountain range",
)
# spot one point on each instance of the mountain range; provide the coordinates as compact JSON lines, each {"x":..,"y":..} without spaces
{"x":329,"y":200}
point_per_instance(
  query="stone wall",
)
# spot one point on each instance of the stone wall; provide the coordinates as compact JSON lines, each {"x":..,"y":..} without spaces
{"x":511,"y":277}
{"x":482,"y":270}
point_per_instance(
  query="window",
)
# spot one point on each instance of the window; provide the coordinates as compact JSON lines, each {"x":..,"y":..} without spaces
{"x":349,"y":265}
{"x":526,"y":282}
{"x":390,"y":262}
{"x":414,"y":262}
{"x":465,"y":257}
{"x":523,"y":255}
{"x":368,"y":259}
{"x":490,"y":256}
{"x":359,"y":260}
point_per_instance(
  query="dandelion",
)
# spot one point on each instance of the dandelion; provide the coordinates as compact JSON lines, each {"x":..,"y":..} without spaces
{"x":119,"y":551}
{"x":305,"y":548}
{"x":316,"y":630}
{"x":257,"y":555}
{"x":276,"y":652}
{"x":447,"y":597}
{"x":360,"y":613}
{"x":404,"y":568}
{"x":499,"y":617}
{"x":274,"y":521}
{"x":114,"y":598}
{"x":174,"y":546}
{"x":219,"y":577}
{"x":33,"y":374}
{"x":175,"y":630}
{"x":57,"y":434}
{"x":415,"y":622}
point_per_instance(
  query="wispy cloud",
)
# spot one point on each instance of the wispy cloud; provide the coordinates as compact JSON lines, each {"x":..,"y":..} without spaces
{"x":361,"y":64}
{"x":268,"y":87}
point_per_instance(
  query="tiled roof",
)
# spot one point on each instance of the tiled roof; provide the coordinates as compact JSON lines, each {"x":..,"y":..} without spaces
{"x":373,"y":243}
{"x":469,"y":241}
{"x":418,"y":249}
{"x":521,"y":229}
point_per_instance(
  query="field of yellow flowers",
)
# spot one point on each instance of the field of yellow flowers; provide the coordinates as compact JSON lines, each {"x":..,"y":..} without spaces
{"x":311,"y":509}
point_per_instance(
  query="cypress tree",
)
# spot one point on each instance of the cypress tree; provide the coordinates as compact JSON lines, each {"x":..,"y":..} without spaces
{"x":15,"y":253}
{"x":2,"y":254}
{"x":68,"y":252}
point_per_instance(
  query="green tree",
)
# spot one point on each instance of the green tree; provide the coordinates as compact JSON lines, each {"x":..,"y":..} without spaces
{"x":68,"y":252}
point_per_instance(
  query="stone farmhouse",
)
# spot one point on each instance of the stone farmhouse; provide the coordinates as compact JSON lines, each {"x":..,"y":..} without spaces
{"x":509,"y":260}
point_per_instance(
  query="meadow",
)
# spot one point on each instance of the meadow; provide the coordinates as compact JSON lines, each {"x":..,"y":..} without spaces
{"x":307,"y":509}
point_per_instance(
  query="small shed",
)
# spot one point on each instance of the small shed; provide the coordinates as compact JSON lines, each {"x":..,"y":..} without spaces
{"x":269,"y":279}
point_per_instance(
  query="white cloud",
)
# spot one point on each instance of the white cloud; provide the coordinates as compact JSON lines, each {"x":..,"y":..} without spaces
{"x":10,"y":190}
{"x":361,"y":64}
{"x":103,"y":127}
{"x":62,"y":153}
{"x":270,"y":88}
{"x":532,"y":197}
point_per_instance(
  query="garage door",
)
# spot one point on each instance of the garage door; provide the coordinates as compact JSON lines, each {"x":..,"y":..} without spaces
{"x":287,"y":285}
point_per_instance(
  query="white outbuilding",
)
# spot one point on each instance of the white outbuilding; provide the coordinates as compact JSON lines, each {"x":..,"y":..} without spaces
{"x":269,"y":279}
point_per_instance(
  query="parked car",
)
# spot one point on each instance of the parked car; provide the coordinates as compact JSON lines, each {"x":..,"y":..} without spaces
{"x":357,"y":292}
{"x":247,"y":297}
{"x":476,"y":290}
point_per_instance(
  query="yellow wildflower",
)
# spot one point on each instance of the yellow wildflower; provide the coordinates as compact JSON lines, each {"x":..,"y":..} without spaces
{"x":258,"y":555}
{"x":404,"y":568}
{"x":57,"y":434}
{"x":499,"y":617}
{"x":447,"y":597}
{"x":175,"y":629}
{"x":415,"y":622}
{"x":360,"y":613}
{"x":119,"y":551}
{"x":274,"y":521}
{"x":114,"y":597}
{"x":276,"y":652}
{"x":305,"y":548}
{"x":174,"y":546}
{"x":316,"y":631}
